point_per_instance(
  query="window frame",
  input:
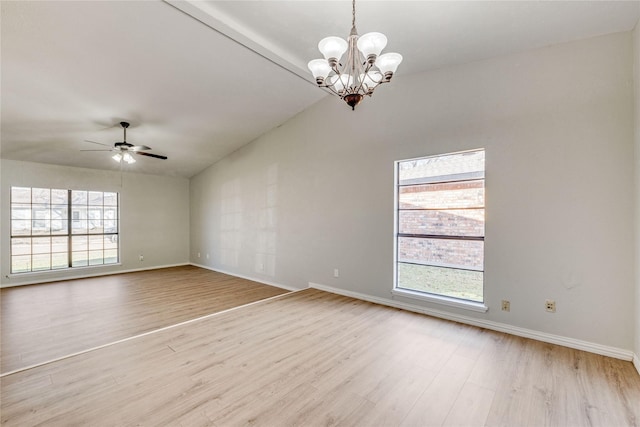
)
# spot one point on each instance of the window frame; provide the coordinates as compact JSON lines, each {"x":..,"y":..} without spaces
{"x":424,"y":295}
{"x":67,"y":233}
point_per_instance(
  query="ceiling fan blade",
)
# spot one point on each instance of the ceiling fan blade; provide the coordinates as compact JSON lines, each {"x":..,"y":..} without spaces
{"x":139,"y":148}
{"x":99,"y":143}
{"x":142,"y":153}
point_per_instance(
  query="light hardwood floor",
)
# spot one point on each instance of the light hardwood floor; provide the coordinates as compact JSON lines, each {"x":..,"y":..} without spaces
{"x":312,"y":358}
{"x":43,"y":322}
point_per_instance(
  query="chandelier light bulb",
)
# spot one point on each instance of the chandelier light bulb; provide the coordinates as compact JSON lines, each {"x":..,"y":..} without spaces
{"x":117,"y":157}
{"x":332,"y":48}
{"x":388,"y":64}
{"x":371,"y":44}
{"x":320,"y":69}
{"x":128,"y":158}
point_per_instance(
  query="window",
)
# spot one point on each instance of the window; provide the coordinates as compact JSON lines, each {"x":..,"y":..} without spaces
{"x":440,"y":225}
{"x":53,"y":229}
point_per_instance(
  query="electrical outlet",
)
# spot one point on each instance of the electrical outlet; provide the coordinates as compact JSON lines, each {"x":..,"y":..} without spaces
{"x":141,"y":257}
{"x":506,"y":305}
{"x":207,"y":256}
{"x":336,"y":272}
{"x":550,"y":306}
{"x":198,"y":254}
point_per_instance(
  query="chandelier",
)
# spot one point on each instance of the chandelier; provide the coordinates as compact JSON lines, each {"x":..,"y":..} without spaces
{"x":364,"y":69}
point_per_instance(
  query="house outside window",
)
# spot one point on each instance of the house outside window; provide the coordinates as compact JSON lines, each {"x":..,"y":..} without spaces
{"x":440,"y":225}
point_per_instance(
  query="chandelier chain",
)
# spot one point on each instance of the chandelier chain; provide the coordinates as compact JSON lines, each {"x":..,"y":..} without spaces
{"x":353,"y":13}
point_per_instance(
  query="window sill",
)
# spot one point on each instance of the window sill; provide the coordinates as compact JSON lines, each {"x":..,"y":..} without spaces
{"x":437,"y":299}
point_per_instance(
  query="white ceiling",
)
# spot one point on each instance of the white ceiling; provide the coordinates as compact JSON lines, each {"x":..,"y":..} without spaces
{"x":197,"y":80}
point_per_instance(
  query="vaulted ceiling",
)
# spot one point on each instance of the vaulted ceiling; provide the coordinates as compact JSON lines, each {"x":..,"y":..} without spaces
{"x":199,"y":79}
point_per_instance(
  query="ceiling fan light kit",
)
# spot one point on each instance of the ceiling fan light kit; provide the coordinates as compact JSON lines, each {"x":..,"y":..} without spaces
{"x":123,"y":157}
{"x":364,"y":70}
{"x":124,"y":149}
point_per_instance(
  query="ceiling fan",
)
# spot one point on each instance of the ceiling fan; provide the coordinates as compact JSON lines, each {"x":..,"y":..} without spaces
{"x":124,"y":150}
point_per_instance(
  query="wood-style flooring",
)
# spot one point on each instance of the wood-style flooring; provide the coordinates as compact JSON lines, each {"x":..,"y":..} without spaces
{"x":47,"y":321}
{"x":311,"y":358}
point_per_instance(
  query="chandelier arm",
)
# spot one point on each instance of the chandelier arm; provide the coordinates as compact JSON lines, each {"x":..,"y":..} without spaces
{"x":365,"y":74}
{"x":377,"y":82}
{"x":360,"y":75}
{"x":331,"y":87}
{"x":333,"y":90}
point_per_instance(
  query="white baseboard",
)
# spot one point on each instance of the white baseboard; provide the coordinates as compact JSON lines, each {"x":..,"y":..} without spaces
{"x":604,"y":350}
{"x":636,"y":362}
{"x":253,"y":279}
{"x":36,"y":281}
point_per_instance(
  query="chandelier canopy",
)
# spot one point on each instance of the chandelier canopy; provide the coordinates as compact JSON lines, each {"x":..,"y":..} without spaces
{"x":364,"y":68}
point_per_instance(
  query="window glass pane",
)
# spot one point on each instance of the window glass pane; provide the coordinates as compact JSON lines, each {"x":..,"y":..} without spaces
{"x":449,"y":195}
{"x":20,"y":211}
{"x":442,"y":252}
{"x":110,"y":226}
{"x":20,"y":195}
{"x":442,"y":166}
{"x":78,"y":212}
{"x":450,"y":282}
{"x":110,"y":213}
{"x":111,"y":199}
{"x":94,"y":213}
{"x":41,"y":262}
{"x":20,"y":263}
{"x":111,"y":242}
{"x":41,"y":195}
{"x":78,"y":197}
{"x":96,"y":257}
{"x":79,"y":227}
{"x":111,"y":256}
{"x":59,"y":197}
{"x":40,"y":245}
{"x":21,"y":246}
{"x":59,"y":226}
{"x":40,"y":227}
{"x":95,"y":242}
{"x":20,"y":227}
{"x":59,"y":212}
{"x":79,"y":259}
{"x":79,"y":243}
{"x":59,"y":260}
{"x":452,"y":222}
{"x":95,"y":226}
{"x":40,"y":212}
{"x":95,"y":198}
{"x":94,"y":220}
{"x":60,"y":244}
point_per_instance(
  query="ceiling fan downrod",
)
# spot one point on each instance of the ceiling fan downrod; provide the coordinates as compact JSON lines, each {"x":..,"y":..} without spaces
{"x":124,"y":125}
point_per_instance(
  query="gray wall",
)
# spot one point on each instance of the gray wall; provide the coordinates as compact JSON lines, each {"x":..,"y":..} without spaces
{"x":154,"y":211}
{"x":557,"y":124}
